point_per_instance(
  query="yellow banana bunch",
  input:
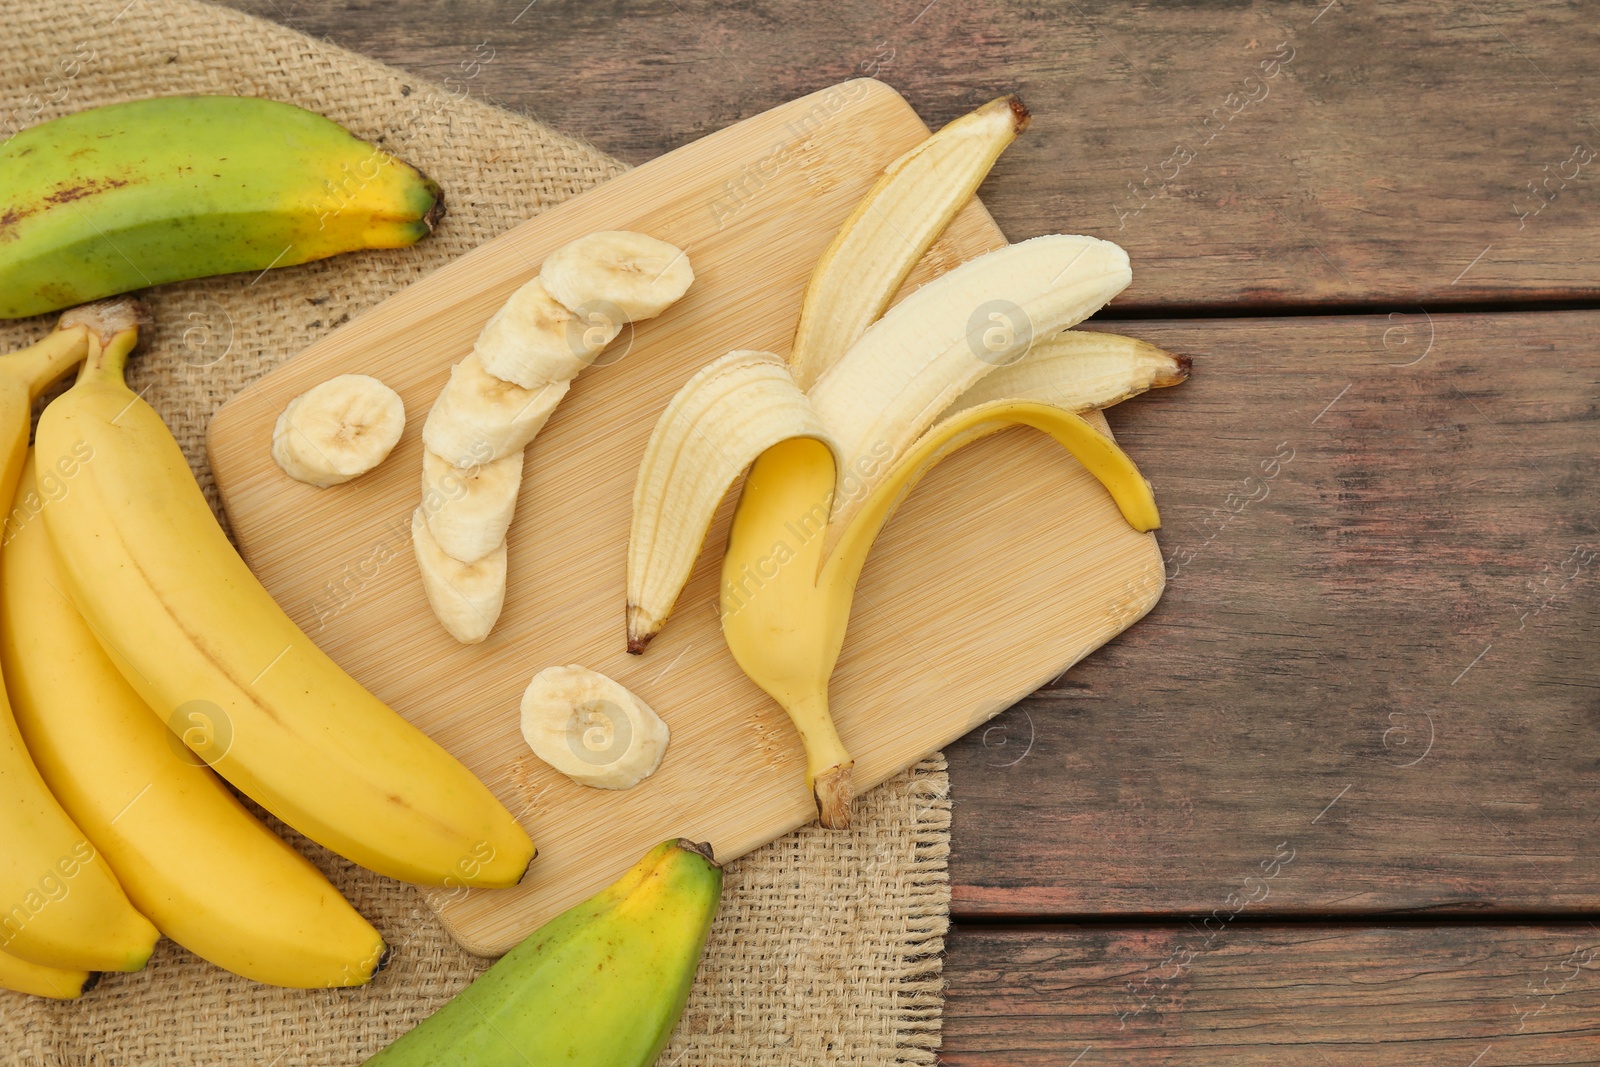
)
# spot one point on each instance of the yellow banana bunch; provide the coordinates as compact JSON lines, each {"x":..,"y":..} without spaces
{"x":61,"y":907}
{"x":129,"y":195}
{"x":977,"y":349}
{"x":600,"y":985}
{"x":191,"y":858}
{"x":209,"y":651}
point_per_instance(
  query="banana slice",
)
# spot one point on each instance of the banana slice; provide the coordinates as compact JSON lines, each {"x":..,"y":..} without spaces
{"x":466,"y":597}
{"x":730,"y":412}
{"x":480,"y":418}
{"x":337,"y":430}
{"x":533,"y":340}
{"x":469,"y":511}
{"x":1078,"y":370}
{"x":591,"y":728}
{"x":617,"y":271}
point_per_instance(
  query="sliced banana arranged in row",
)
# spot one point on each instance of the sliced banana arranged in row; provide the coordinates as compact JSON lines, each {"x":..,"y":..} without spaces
{"x":338,"y":430}
{"x":499,"y":397}
{"x":591,"y":728}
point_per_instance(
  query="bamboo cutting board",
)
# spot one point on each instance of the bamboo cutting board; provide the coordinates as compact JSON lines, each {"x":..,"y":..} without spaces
{"x":1007,"y":565}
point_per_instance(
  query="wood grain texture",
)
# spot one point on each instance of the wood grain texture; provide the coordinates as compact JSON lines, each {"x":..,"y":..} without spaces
{"x":1388,"y":162}
{"x":913,"y":676}
{"x":1311,"y":995}
{"x":1378,"y":640}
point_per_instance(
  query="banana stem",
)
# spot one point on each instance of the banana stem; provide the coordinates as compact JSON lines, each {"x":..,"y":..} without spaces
{"x":41,"y":364}
{"x":113,"y":331}
{"x":828,"y":762}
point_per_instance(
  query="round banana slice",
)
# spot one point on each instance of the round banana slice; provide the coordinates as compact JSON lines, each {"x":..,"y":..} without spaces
{"x":466,"y":597}
{"x":617,"y":269}
{"x":337,"y":430}
{"x":591,"y":729}
{"x":469,"y":511}
{"x":533,"y":340}
{"x":480,"y":418}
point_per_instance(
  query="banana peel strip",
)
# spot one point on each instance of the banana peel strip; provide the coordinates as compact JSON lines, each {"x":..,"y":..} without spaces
{"x":1077,"y":370}
{"x":730,"y":412}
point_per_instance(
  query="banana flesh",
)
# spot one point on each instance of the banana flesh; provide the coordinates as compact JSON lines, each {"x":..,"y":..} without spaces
{"x":469,"y":511}
{"x":61,"y":906}
{"x":726,"y":415}
{"x":122,"y":197}
{"x":534,"y":341}
{"x":616,"y":270}
{"x":500,"y":396}
{"x":188,"y":854}
{"x":591,"y":728}
{"x":190,"y":627}
{"x":338,"y":430}
{"x":600,"y":985}
{"x":479,"y":418}
{"x":891,"y":229}
{"x":935,"y":344}
{"x":466,"y":597}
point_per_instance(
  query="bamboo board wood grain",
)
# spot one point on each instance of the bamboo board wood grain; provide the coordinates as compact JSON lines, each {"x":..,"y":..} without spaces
{"x":1007,"y":565}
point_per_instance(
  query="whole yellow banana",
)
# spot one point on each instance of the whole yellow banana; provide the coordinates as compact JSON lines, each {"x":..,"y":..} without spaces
{"x":205,"y":645}
{"x":187,"y":853}
{"x":60,"y":905}
{"x":788,"y":578}
{"x":135,"y":194}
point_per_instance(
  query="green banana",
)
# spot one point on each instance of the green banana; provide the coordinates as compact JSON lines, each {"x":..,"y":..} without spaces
{"x":600,"y":985}
{"x":130,"y":195}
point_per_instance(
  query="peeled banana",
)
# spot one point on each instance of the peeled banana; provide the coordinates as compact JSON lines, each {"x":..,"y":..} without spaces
{"x":135,"y":194}
{"x":591,"y":728}
{"x":895,"y":223}
{"x":338,"y":430}
{"x":60,"y":905}
{"x":600,"y":985}
{"x":189,"y":855}
{"x":500,"y":396}
{"x":195,"y":633}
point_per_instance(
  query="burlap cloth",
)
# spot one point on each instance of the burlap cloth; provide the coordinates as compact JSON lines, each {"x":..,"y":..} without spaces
{"x":827,"y":949}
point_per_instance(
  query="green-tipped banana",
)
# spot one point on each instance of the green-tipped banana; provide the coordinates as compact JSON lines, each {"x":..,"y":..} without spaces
{"x":130,"y":195}
{"x":601,"y":985}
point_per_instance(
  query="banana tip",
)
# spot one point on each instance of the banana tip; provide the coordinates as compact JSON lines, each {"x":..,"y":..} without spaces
{"x":384,"y":958}
{"x":700,"y":848}
{"x":1020,"y":115}
{"x":92,"y":981}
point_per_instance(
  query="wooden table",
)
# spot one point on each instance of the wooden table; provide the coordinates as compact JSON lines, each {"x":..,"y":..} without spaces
{"x":1335,"y":800}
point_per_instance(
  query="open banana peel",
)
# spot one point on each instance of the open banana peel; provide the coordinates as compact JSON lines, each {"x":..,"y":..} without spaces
{"x":867,"y":403}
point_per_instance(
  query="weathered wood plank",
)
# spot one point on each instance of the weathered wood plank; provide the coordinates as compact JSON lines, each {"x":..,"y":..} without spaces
{"x":1397,"y":153}
{"x":1378,"y":642}
{"x":1312,"y":995}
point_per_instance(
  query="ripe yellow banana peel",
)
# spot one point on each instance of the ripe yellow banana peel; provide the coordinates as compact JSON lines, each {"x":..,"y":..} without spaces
{"x":788,"y":577}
